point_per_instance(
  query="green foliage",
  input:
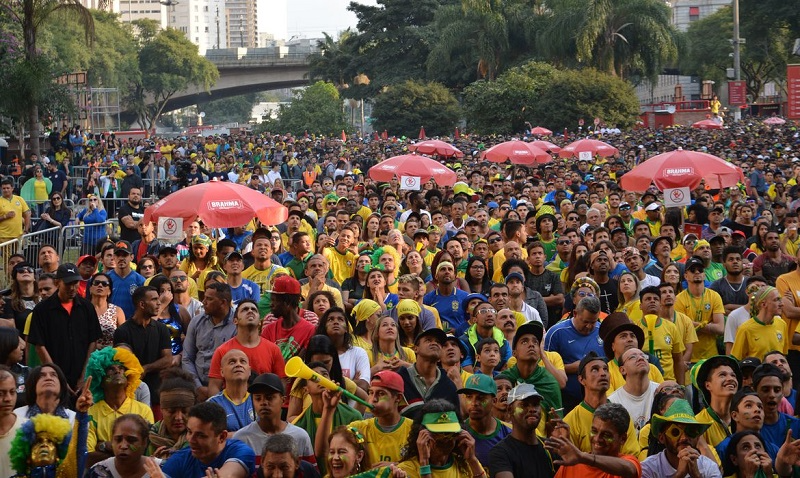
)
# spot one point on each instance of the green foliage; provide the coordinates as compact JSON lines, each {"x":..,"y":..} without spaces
{"x":229,"y":110}
{"x":763,"y":57}
{"x":504,"y":105}
{"x":403,"y":108}
{"x":169,"y":63}
{"x":316,"y":109}
{"x":540,"y":94}
{"x":587,"y":93}
{"x":29,"y":83}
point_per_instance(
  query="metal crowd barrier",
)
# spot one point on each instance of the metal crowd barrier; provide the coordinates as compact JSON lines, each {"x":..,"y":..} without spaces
{"x":31,"y":243}
{"x":72,"y":242}
{"x":6,"y":250}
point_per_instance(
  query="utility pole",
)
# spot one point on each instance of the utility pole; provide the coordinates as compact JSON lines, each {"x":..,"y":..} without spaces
{"x":217,"y":27}
{"x":737,"y":65}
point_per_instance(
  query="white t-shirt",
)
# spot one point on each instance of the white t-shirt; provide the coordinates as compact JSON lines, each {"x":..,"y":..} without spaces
{"x":5,"y":447}
{"x":648,"y":281}
{"x":530,"y":313}
{"x":354,"y":361}
{"x":657,"y":466}
{"x":735,"y":320}
{"x":638,"y":407}
{"x":255,"y":438}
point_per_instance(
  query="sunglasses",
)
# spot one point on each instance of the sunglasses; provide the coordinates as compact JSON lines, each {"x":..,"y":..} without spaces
{"x":486,"y":310}
{"x":564,"y":242}
{"x":504,"y":208}
{"x":101,"y":283}
{"x":25,"y":270}
{"x":56,"y":199}
{"x":675,"y":431}
{"x":179,"y":279}
{"x":495,"y":240}
{"x":586,"y":294}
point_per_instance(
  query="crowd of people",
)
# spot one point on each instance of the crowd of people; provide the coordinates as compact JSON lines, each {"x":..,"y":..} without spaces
{"x":527,"y":321}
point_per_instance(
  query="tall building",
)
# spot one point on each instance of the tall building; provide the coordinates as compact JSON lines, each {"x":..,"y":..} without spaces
{"x":242,"y":26}
{"x":132,"y":10}
{"x":684,"y":12}
{"x":202,"y":21}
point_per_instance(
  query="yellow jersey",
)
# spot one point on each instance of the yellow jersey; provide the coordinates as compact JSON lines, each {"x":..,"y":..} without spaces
{"x":700,"y":310}
{"x":718,"y":431}
{"x":101,"y":419}
{"x":342,"y":264}
{"x":384,"y":445}
{"x":755,"y":338}
{"x":12,"y":228}
{"x":663,"y":341}
{"x":580,"y":427}
{"x":788,"y":282}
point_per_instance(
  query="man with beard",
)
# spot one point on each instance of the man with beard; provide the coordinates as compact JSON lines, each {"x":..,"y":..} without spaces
{"x":148,"y":339}
{"x":773,"y":262}
{"x":714,"y":270}
{"x":130,"y":214}
{"x":599,"y":269}
{"x":704,"y":307}
{"x":517,"y":294}
{"x":768,"y":384}
{"x":717,"y":379}
{"x":64,"y":328}
{"x":715,"y":217}
{"x":593,"y":377}
{"x":661,"y":249}
{"x":547,"y":282}
{"x":731,"y":287}
{"x":478,"y":394}
{"x":522,"y":453}
{"x":678,"y":432}
{"x":289,"y":331}
{"x":268,"y":393}
{"x":484,"y":317}
{"x":447,"y":299}
{"x":426,"y":380}
{"x":181,"y":293}
{"x":416,"y":203}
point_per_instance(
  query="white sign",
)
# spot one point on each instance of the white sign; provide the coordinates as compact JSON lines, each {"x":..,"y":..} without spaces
{"x":677,"y":197}
{"x":412,"y":183}
{"x":170,"y":229}
{"x":585,"y":156}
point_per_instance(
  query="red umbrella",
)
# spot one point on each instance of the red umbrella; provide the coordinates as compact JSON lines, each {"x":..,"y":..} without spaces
{"x":597,"y":148}
{"x":681,"y":168}
{"x":219,"y":204}
{"x":707,"y":124}
{"x":774,"y":120}
{"x":519,"y":152}
{"x":413,"y":165}
{"x":546,"y":145}
{"x":422,"y":133}
{"x":434,"y":146}
{"x":539,"y":131}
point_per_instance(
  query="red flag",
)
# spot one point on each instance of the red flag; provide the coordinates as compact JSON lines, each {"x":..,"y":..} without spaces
{"x":385,"y":134}
{"x":344,"y":137}
{"x":458,"y":134}
{"x":376,"y":136}
{"x":422,"y":133}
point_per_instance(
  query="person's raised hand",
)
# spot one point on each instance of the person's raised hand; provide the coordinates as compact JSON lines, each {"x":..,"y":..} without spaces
{"x":425,"y":443}
{"x":85,"y":400}
{"x":152,"y":468}
{"x":330,"y":399}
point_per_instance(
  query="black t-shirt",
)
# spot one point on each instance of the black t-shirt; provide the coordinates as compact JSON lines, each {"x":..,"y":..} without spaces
{"x":730,"y":293}
{"x":520,"y":459}
{"x":136,"y":213}
{"x":608,"y":296}
{"x":146,"y":343}
{"x":548,"y":283}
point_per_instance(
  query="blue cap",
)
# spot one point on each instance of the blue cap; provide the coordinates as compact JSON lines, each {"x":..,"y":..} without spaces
{"x":493,"y":205}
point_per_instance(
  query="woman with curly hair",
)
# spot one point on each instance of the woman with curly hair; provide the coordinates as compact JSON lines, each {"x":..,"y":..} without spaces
{"x":437,"y":445}
{"x":202,"y":256}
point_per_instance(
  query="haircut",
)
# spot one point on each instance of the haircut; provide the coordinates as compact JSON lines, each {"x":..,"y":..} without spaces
{"x":590,"y":304}
{"x":143,"y":428}
{"x":651,"y":289}
{"x":414,"y":280}
{"x":210,"y":412}
{"x":615,"y":414}
{"x":279,"y":444}
{"x":223,"y":290}
{"x":9,"y":342}
{"x":140,"y":292}
{"x":36,"y":375}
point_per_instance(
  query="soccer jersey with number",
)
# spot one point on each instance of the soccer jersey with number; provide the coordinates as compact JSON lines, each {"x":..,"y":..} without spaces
{"x":384,"y":445}
{"x":700,"y":310}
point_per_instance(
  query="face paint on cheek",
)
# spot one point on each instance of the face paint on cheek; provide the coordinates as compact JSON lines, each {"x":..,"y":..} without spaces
{"x":134,"y":448}
{"x":518,"y":411}
{"x":484,"y":402}
{"x":383,"y":399}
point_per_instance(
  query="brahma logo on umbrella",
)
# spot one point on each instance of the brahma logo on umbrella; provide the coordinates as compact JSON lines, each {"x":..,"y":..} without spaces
{"x":222,"y":205}
{"x":678,"y":171}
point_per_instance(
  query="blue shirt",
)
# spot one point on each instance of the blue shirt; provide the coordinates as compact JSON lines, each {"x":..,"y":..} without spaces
{"x":485,"y":443}
{"x":122,"y":296}
{"x":239,"y":416}
{"x":182,"y":464}
{"x":248,"y":290}
{"x":776,"y":432}
{"x":573,"y":346}
{"x":449,"y":308}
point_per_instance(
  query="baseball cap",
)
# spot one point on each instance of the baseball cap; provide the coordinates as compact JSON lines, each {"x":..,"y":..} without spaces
{"x":619,"y":229}
{"x":267,"y":382}
{"x":521,"y":392}
{"x":532,"y":327}
{"x":749,"y":363}
{"x":515,"y":275}
{"x":480,"y":383}
{"x":87,"y":257}
{"x":286,"y":285}
{"x":718,"y":209}
{"x":68,"y":273}
{"x":438,"y":334}
{"x":738,"y":233}
{"x":461,"y":346}
{"x":471,"y":220}
{"x":441,"y":422}
{"x":234,"y":255}
{"x":653,"y":206}
{"x":123,"y":246}
{"x":695,"y":262}
{"x":688,"y":236}
{"x":589,"y":358}
{"x":390,"y":380}
{"x":167,"y":248}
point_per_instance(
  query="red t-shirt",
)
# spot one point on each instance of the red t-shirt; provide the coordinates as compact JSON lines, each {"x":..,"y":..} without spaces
{"x":264,"y":358}
{"x":290,"y":341}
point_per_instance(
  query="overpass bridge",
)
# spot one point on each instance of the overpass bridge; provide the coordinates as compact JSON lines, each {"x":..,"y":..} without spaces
{"x":247,"y":70}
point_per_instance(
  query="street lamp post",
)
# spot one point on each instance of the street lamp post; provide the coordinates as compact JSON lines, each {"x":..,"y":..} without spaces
{"x":217,"y":27}
{"x":737,"y":65}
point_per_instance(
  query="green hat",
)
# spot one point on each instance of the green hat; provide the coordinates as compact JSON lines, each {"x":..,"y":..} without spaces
{"x":202,"y":239}
{"x":441,"y":422}
{"x":701,"y":370}
{"x":679,"y":412}
{"x":480,"y":383}
{"x":331,"y":197}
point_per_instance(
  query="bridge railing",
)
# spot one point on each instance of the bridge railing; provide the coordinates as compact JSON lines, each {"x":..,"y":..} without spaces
{"x":258,"y":60}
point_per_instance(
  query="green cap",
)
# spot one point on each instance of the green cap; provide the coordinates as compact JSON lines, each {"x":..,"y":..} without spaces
{"x":441,"y":422}
{"x":480,"y":383}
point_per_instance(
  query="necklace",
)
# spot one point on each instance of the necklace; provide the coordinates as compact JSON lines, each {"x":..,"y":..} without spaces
{"x":737,"y":289}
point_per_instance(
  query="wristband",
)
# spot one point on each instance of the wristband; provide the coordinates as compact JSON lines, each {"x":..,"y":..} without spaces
{"x":424,"y":470}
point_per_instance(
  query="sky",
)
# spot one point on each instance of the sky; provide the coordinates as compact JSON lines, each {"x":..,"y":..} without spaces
{"x":305,"y":18}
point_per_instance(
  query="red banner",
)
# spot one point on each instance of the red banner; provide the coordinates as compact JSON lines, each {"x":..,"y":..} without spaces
{"x":737,"y":93}
{"x":793,"y":91}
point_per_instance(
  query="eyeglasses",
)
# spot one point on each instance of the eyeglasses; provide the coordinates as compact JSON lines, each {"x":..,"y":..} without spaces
{"x":585,"y":294}
{"x":675,"y":431}
{"x":486,"y":310}
{"x":390,"y":208}
{"x":670,"y":389}
{"x":101,"y":283}
{"x":505,"y":208}
{"x":147,"y":266}
{"x":179,"y":279}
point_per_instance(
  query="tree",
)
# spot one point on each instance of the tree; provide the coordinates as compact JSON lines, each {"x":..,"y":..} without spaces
{"x":236,"y":109}
{"x":763,"y":57}
{"x":403,"y":108}
{"x":332,"y":61}
{"x":503,"y":106}
{"x":31,"y":15}
{"x":588,"y":93}
{"x":316,"y":109}
{"x":618,"y":37}
{"x":169,"y":63}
